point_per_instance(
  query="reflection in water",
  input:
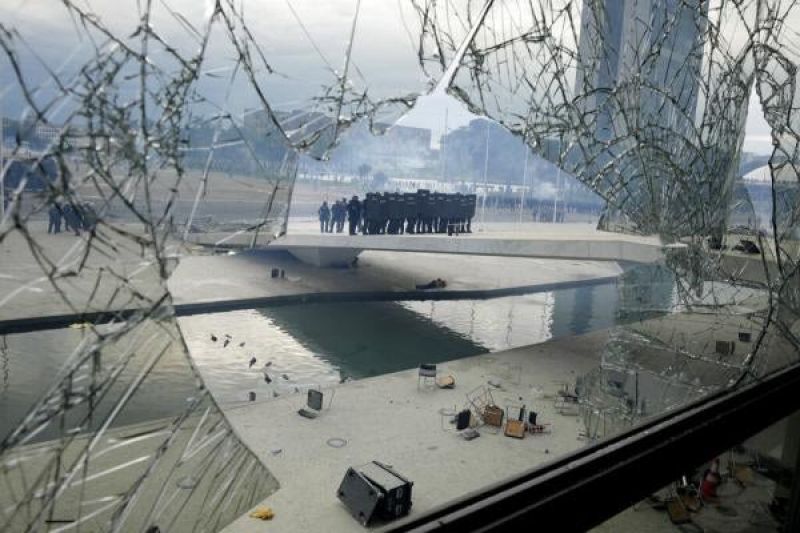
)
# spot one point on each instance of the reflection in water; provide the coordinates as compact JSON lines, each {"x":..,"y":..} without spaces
{"x":33,"y":362}
{"x":503,"y":323}
{"x":321,"y":344}
{"x":311,"y":345}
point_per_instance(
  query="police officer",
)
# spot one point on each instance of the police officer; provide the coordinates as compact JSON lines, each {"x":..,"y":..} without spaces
{"x":370,"y":214}
{"x":392,"y":212}
{"x":438,"y":209}
{"x":342,"y":215}
{"x":324,"y":213}
{"x":472,"y":202}
{"x":383,"y":213}
{"x":401,"y":213}
{"x":336,"y":213}
{"x":353,"y":214}
{"x":449,"y":213}
{"x":410,"y":211}
{"x":54,"y":214}
{"x":455,"y":221}
{"x":425,"y":208}
{"x":463,"y":211}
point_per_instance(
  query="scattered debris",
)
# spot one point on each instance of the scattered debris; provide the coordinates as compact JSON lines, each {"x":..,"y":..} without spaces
{"x":743,"y":475}
{"x":252,"y":362}
{"x":470,"y":434}
{"x":446,"y":382}
{"x":262,"y":513}
{"x":678,"y":513}
{"x":437,"y":283}
{"x":213,"y":338}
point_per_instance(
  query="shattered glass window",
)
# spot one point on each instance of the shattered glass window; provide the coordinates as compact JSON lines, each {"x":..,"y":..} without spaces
{"x":156,"y":154}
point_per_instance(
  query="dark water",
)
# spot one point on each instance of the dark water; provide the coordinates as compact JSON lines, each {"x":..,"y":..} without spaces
{"x":321,"y":344}
{"x":308,"y":345}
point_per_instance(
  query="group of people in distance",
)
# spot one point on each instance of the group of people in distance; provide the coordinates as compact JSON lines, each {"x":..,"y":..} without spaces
{"x":397,"y":213}
{"x":75,"y":217}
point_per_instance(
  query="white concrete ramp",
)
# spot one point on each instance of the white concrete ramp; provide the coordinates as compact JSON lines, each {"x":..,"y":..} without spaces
{"x":557,"y":242}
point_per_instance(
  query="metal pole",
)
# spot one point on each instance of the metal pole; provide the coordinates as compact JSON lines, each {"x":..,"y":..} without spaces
{"x":555,"y":195}
{"x":558,"y":182}
{"x":2,"y":161}
{"x":485,"y":179}
{"x":443,"y":149}
{"x":524,"y":181}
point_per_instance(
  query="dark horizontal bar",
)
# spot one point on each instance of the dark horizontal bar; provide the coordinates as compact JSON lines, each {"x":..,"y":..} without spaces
{"x":583,"y":489}
{"x":46,"y":322}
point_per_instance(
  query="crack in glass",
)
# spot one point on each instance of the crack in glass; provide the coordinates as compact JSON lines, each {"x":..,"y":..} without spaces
{"x":141,"y":122}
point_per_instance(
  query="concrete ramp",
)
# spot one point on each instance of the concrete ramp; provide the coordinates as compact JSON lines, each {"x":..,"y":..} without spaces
{"x":567,"y":243}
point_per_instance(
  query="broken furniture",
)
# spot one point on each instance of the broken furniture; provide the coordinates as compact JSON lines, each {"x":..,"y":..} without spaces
{"x":533,"y":427}
{"x":677,"y":512}
{"x":538,"y":429}
{"x":515,"y":421}
{"x":567,"y":402}
{"x":478,"y":399}
{"x":493,"y":416}
{"x":375,"y":491}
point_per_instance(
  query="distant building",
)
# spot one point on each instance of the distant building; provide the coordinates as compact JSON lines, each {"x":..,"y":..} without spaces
{"x":649,"y":52}
{"x":637,"y":87}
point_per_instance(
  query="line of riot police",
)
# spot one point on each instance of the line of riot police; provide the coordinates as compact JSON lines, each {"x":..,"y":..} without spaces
{"x":420,"y":212}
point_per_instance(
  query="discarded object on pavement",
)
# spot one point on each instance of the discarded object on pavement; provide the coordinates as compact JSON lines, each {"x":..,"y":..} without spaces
{"x":677,"y":512}
{"x":446,"y":382}
{"x":493,"y":416}
{"x":375,"y":490}
{"x":262,"y":513}
{"x":463,"y":419}
{"x":515,"y":427}
{"x":470,"y":433}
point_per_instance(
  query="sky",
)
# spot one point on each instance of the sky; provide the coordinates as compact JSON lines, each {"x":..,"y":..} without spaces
{"x":305,"y":42}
